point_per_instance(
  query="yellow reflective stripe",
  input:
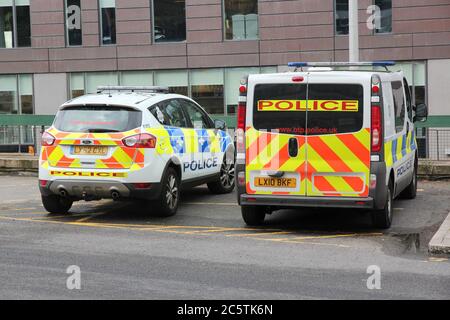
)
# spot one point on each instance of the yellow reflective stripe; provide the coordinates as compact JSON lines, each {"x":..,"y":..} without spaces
{"x":399,"y":148}
{"x":163,"y":145}
{"x":214,"y":141}
{"x":351,"y":160}
{"x":56,"y":155}
{"x":190,"y":140}
{"x":251,"y":136}
{"x":266,"y":154}
{"x":122,"y":157}
{"x":99,"y":164}
{"x":388,"y":153}
{"x":321,"y":165}
{"x":364,"y":138}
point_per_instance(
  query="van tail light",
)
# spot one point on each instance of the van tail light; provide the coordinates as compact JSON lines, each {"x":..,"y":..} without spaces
{"x":377,"y":135}
{"x":47,"y":139}
{"x":240,"y":132}
{"x":143,"y":140}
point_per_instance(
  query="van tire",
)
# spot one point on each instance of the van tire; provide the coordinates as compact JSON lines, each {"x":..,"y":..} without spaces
{"x":253,"y":215}
{"x":56,"y":204}
{"x":382,"y":219}
{"x":226,"y":181}
{"x":411,"y":190}
{"x":167,"y":204}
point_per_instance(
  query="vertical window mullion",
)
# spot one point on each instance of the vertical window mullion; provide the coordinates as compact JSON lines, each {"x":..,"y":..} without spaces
{"x":14,"y":17}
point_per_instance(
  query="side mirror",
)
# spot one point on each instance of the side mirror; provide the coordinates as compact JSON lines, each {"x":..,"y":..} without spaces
{"x":220,"y":125}
{"x":421,"y":114}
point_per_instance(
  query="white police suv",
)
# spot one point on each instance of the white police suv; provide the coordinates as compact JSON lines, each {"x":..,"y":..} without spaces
{"x":127,"y":143}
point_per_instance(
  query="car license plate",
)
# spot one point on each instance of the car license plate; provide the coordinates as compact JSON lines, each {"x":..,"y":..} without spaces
{"x":90,"y":150}
{"x":264,"y":182}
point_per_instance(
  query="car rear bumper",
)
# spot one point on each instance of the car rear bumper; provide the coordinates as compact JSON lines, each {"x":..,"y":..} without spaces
{"x":96,"y":190}
{"x":290,"y":201}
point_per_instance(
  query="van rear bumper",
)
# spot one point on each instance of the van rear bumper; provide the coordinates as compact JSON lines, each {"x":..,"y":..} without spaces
{"x":289,"y":201}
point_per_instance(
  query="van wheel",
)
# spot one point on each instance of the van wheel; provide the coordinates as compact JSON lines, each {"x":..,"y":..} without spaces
{"x":56,"y":204}
{"x":167,"y":204}
{"x":411,"y":190}
{"x":382,"y":219}
{"x":253,"y":215}
{"x":226,"y":181}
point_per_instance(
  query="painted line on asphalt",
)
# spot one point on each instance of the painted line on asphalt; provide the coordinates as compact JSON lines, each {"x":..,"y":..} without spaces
{"x":260,"y":234}
{"x":231,"y":204}
{"x":334,"y":236}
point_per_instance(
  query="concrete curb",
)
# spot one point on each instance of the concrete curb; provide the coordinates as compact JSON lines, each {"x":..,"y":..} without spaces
{"x":26,"y":164}
{"x":430,"y":168}
{"x":440,"y":243}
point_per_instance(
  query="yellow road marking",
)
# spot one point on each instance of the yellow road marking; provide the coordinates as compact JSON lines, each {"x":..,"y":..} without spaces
{"x":260,"y":234}
{"x":420,"y":190}
{"x":435,"y":259}
{"x":333,"y":236}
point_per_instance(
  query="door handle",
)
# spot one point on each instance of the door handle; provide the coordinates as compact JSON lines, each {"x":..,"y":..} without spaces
{"x":293,"y":147}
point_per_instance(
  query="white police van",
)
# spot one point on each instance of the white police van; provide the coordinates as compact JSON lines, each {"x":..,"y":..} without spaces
{"x":133,"y":143}
{"x":326,"y":135}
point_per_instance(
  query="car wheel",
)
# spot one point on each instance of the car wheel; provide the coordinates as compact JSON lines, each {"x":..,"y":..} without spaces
{"x":253,"y":215}
{"x":56,"y":204}
{"x":411,"y":190}
{"x":167,"y":203}
{"x":382,"y":219}
{"x":226,"y":181}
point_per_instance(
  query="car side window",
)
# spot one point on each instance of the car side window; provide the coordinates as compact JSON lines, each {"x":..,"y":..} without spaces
{"x":409,"y":105}
{"x":169,"y":113}
{"x":399,"y":105}
{"x":198,"y":118}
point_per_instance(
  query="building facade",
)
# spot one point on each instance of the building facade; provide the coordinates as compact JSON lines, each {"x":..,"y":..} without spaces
{"x":53,"y":50}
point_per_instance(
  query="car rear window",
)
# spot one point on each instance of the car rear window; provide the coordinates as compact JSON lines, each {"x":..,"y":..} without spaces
{"x":98,"y":119}
{"x":330,"y":108}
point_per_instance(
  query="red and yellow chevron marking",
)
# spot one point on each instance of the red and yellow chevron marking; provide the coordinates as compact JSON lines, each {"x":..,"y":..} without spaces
{"x":122,"y":158}
{"x":336,"y":165}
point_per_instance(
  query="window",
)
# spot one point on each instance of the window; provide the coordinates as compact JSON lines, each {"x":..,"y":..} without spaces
{"x":170,"y":113}
{"x":341,"y":16}
{"x":408,"y":100}
{"x":241,"y":19}
{"x":385,"y":21}
{"x":198,"y":118}
{"x":16,"y":94}
{"x":98,"y":119}
{"x":73,"y":23}
{"x":15,"y":29}
{"x":169,"y":20}
{"x":97,"y":79}
{"x":108,"y":21}
{"x":399,"y":105}
{"x":76,"y":85}
{"x":207,"y":89}
{"x":176,"y":80}
{"x":136,"y":78}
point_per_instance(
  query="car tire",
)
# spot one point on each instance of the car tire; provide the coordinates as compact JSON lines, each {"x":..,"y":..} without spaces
{"x":253,"y":215}
{"x":167,"y":204}
{"x":226,"y":181}
{"x":382,"y":219}
{"x":56,"y":204}
{"x":411,"y":190}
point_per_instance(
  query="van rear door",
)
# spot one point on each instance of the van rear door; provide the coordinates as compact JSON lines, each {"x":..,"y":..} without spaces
{"x":338,"y":141}
{"x":275,"y":140}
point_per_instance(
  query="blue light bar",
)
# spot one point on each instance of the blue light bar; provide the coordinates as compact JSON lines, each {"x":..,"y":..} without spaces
{"x":298,"y":64}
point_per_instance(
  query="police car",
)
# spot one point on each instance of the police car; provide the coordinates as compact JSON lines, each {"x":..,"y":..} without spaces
{"x":326,"y":135}
{"x":136,"y":143}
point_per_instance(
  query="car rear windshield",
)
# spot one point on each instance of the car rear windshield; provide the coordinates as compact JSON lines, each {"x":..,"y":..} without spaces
{"x":98,"y":119}
{"x":329,"y":109}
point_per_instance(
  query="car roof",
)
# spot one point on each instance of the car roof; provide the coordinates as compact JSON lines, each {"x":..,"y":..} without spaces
{"x":135,"y":100}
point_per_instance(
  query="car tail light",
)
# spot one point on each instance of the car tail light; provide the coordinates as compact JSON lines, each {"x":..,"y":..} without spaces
{"x":47,"y":139}
{"x":143,"y":140}
{"x":142,"y":185}
{"x":377,"y":135}
{"x":43,"y":183}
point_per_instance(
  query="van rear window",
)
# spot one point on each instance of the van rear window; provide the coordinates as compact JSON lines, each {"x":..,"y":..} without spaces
{"x":329,"y":109}
{"x":97,"y":119}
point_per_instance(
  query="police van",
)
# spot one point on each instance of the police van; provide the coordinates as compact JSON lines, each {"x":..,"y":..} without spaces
{"x":326,"y":135}
{"x":133,"y":143}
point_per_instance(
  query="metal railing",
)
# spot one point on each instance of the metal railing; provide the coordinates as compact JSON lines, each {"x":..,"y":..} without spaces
{"x":438,"y":144}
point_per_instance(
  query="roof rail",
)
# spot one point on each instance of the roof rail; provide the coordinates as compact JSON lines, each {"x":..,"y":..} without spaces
{"x":302,"y":65}
{"x":150,"y":89}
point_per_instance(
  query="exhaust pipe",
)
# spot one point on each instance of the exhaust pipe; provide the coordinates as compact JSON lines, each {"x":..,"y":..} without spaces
{"x":63,"y":193}
{"x":115,"y":195}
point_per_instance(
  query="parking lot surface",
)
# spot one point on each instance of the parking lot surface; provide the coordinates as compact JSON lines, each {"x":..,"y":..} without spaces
{"x":206,"y":252}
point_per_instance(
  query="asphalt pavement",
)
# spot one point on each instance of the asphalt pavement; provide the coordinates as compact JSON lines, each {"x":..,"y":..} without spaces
{"x":206,"y":252}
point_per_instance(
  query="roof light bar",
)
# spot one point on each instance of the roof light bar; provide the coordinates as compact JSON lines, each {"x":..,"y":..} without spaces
{"x":152,"y":89}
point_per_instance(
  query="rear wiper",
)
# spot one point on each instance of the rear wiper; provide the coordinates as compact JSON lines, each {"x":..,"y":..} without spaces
{"x":102,"y":130}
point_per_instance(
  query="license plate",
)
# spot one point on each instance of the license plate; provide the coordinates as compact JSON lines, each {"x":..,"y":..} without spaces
{"x":287,"y":183}
{"x":90,"y":150}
